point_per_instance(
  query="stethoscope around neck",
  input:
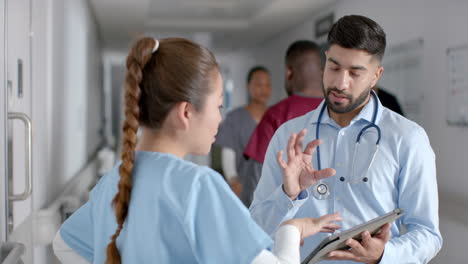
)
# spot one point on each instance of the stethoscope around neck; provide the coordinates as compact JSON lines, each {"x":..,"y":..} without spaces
{"x":321,"y":190}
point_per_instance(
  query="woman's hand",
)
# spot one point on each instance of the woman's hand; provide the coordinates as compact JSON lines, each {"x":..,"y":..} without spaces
{"x":310,"y":226}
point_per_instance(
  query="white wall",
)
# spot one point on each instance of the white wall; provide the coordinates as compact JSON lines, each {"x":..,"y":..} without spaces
{"x":272,"y":52}
{"x":3,"y":119}
{"x":82,"y":66}
{"x":94,"y":83}
{"x":442,"y":24}
{"x":238,"y":64}
{"x":67,"y":92}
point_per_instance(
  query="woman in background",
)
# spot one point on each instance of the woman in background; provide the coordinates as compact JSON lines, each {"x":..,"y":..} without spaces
{"x":236,"y":129}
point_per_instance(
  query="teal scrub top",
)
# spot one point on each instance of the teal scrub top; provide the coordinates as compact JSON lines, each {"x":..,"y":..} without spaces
{"x":179,"y":213}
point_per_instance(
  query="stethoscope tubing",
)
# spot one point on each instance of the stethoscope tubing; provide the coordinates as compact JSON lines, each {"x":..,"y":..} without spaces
{"x":322,"y":186}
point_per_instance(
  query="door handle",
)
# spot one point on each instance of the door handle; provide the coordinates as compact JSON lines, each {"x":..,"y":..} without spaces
{"x":28,"y":153}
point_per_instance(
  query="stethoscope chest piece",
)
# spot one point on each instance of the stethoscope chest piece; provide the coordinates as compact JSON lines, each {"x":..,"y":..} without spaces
{"x":321,"y":191}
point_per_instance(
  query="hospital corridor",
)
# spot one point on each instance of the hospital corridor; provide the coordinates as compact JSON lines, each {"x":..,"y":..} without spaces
{"x":201,"y":112}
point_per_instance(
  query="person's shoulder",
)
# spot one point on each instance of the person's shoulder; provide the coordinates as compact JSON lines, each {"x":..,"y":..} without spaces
{"x":193,"y":172}
{"x":301,"y":120}
{"x":239,"y":114}
{"x":236,"y":111}
{"x":205,"y":171}
{"x":400,"y":125}
{"x":205,"y":179}
{"x":155,"y":169}
{"x":108,"y":180}
{"x":273,"y":114}
{"x":282,"y":106}
{"x":387,"y":95}
{"x":165,"y":165}
{"x":277,"y":108}
{"x":296,"y":124}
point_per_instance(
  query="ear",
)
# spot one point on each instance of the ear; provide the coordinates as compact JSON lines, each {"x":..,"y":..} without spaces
{"x":377,"y":75}
{"x":183,"y":111}
{"x":289,"y":73}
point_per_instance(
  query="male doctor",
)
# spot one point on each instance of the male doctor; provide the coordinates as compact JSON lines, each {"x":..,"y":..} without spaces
{"x":368,"y":181}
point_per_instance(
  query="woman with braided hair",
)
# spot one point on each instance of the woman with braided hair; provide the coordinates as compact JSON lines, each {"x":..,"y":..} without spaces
{"x":155,"y":207}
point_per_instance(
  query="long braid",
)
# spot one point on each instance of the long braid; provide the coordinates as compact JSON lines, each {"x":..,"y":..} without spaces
{"x":136,"y":61}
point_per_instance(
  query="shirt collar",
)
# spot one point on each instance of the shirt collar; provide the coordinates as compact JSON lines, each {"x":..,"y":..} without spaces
{"x":366,"y":113}
{"x":315,"y":115}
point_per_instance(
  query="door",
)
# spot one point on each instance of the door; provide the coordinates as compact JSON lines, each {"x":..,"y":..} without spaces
{"x":3,"y":120}
{"x":17,"y":126}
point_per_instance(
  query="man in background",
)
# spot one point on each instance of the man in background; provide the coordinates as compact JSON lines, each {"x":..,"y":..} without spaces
{"x":303,"y":82}
{"x":388,"y":100}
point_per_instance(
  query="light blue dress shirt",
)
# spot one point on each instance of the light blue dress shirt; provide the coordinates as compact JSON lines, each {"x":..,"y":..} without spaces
{"x":403,"y":175}
{"x":179,"y":213}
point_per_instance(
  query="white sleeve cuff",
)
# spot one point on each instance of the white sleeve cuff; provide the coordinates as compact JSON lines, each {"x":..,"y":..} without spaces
{"x":286,"y":249}
{"x":64,"y":253}
{"x":228,"y":163}
{"x":287,"y":241}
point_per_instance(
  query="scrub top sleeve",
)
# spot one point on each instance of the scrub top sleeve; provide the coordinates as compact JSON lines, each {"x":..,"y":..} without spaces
{"x":77,"y":232}
{"x":219,"y":226}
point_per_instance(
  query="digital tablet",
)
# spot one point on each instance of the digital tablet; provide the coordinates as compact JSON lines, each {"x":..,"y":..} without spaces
{"x":338,"y":241}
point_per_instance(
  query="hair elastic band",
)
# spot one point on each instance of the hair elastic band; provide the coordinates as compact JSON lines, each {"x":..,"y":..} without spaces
{"x":156,"y":45}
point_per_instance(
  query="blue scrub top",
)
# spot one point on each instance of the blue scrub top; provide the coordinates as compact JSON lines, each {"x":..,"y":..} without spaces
{"x":179,"y":213}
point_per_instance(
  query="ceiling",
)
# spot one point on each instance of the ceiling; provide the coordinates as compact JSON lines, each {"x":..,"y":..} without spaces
{"x":219,"y":24}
